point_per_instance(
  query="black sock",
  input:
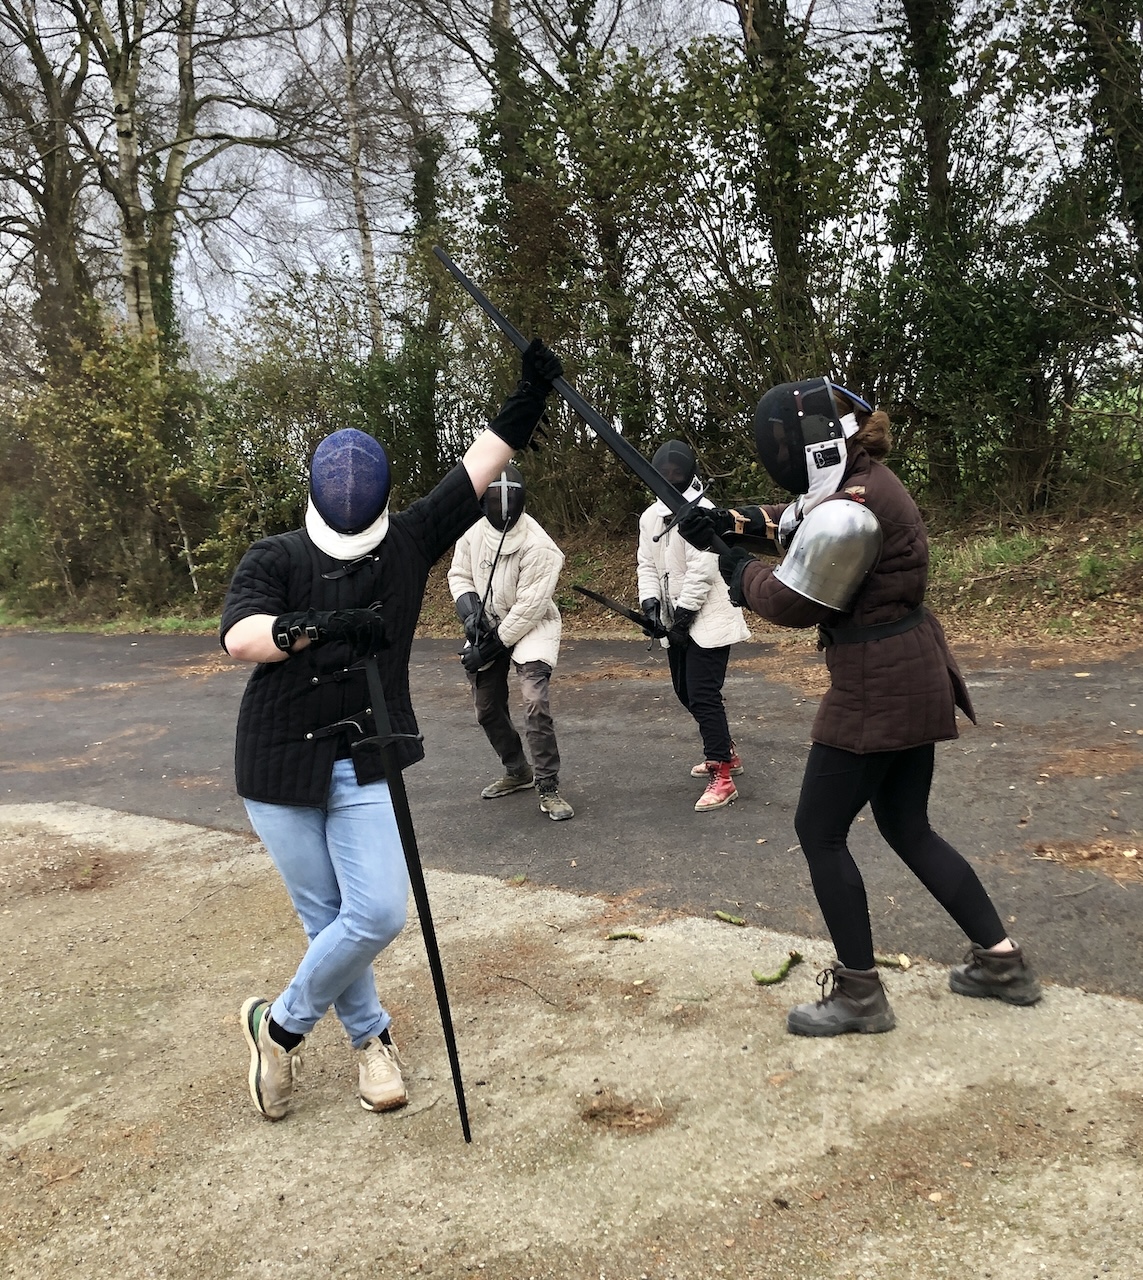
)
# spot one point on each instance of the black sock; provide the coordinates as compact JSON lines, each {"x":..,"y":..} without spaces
{"x":287,"y":1039}
{"x":385,"y":1037}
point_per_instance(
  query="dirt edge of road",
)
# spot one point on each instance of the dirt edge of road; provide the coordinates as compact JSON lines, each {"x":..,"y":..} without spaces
{"x":638,"y":1109}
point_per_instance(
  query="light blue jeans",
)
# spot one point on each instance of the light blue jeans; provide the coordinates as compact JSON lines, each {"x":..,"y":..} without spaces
{"x":345,"y":872}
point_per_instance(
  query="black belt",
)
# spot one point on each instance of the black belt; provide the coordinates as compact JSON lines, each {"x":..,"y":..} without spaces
{"x":851,"y":633}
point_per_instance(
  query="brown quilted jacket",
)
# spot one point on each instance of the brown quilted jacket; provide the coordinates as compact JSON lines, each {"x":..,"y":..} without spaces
{"x":888,"y":694}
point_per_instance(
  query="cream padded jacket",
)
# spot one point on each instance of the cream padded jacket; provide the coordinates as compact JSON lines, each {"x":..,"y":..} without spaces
{"x":521,"y":602}
{"x":682,"y":577}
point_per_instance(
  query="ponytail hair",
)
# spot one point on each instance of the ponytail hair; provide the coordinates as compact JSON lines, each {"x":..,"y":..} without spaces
{"x":874,"y":434}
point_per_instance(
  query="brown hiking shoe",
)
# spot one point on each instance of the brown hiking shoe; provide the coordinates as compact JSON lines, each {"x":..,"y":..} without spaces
{"x":852,"y":1000}
{"x":551,"y":802}
{"x":273,"y":1069}
{"x":1005,"y":976}
{"x":513,"y":780}
{"x":379,"y":1081}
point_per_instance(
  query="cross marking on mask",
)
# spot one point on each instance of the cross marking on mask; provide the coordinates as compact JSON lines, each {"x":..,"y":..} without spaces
{"x":504,"y":484}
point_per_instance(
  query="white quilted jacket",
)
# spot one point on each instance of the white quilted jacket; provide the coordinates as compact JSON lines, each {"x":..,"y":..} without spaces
{"x":680,"y":576}
{"x":523,"y":585}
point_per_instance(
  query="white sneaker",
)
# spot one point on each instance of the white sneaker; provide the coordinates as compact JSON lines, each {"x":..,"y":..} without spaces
{"x":379,"y":1076}
{"x":273,"y":1069}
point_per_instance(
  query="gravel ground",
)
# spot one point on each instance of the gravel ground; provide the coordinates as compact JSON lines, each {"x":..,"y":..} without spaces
{"x":637,"y":1107}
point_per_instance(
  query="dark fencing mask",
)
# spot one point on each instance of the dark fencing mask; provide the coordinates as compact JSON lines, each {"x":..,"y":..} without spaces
{"x":800,"y":430}
{"x":349,"y":480}
{"x":503,"y":501}
{"x":675,"y":461}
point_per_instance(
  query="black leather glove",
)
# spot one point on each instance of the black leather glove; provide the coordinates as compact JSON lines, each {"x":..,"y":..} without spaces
{"x":653,"y":612}
{"x":517,"y":421}
{"x":701,"y":524}
{"x":362,"y":629}
{"x":468,"y":610}
{"x":679,"y":635}
{"x":731,"y":564}
{"x":540,"y":366}
{"x":486,"y":650}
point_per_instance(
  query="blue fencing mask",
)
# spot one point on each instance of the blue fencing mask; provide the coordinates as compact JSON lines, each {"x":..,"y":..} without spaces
{"x":349,"y":481}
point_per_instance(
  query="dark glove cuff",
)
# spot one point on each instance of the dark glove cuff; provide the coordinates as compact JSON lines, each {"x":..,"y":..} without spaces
{"x":289,"y":627}
{"x":732,"y":565}
{"x":467,"y":605}
{"x":519,"y":417}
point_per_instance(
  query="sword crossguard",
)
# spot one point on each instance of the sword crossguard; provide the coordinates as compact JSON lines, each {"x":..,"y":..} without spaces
{"x":675,"y":516}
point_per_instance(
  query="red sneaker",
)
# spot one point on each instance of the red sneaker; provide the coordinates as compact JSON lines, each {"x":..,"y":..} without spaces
{"x":719,"y":790}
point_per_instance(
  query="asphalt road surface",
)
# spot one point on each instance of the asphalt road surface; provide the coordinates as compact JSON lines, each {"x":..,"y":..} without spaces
{"x":145,"y":724}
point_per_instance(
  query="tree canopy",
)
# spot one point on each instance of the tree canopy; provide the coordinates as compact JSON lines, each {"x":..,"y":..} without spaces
{"x":216,"y":225}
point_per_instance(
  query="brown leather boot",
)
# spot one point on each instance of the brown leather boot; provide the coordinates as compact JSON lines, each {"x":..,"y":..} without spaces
{"x":1006,"y":976}
{"x":852,"y":1000}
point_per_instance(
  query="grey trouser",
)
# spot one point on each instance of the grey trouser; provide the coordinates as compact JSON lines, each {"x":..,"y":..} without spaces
{"x":490,"y":698}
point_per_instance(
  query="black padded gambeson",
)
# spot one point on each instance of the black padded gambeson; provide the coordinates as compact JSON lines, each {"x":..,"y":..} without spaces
{"x":274,"y":760}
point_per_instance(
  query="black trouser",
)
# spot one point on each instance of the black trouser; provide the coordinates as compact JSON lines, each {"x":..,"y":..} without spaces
{"x":490,"y":698}
{"x":835,"y":788}
{"x":697,"y":675}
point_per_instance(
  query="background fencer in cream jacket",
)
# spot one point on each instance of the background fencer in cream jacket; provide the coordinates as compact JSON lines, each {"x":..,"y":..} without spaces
{"x":681,"y":587}
{"x":521,"y":603}
{"x":503,"y":579}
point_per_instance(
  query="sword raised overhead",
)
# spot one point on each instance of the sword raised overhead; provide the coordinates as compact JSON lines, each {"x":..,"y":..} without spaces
{"x":631,"y":458}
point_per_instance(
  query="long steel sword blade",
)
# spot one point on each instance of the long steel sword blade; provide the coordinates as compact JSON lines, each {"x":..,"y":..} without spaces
{"x":404,"y":817}
{"x":626,"y":452}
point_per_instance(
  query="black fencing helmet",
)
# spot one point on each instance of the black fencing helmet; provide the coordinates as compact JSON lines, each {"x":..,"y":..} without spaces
{"x":349,"y":480}
{"x":503,"y":501}
{"x":675,"y":461}
{"x":798,"y":425}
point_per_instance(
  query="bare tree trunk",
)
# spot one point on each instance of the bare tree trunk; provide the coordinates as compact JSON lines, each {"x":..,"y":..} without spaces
{"x":1112,"y":47}
{"x":186,"y":546}
{"x":164,"y":216}
{"x":122,"y":62}
{"x":773,"y":51}
{"x":45,"y":167}
{"x":357,"y":181}
{"x":929,"y":55}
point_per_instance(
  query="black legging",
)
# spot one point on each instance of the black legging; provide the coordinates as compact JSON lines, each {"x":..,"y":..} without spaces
{"x":835,"y":788}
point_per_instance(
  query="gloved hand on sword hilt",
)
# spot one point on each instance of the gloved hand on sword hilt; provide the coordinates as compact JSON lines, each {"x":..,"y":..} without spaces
{"x":487,"y":649}
{"x":471,"y":612}
{"x":518,"y":422}
{"x":653,"y":612}
{"x":679,"y":635}
{"x":701,"y":525}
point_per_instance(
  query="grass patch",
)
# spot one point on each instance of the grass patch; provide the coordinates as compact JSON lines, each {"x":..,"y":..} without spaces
{"x":141,"y":624}
{"x":959,"y":561}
